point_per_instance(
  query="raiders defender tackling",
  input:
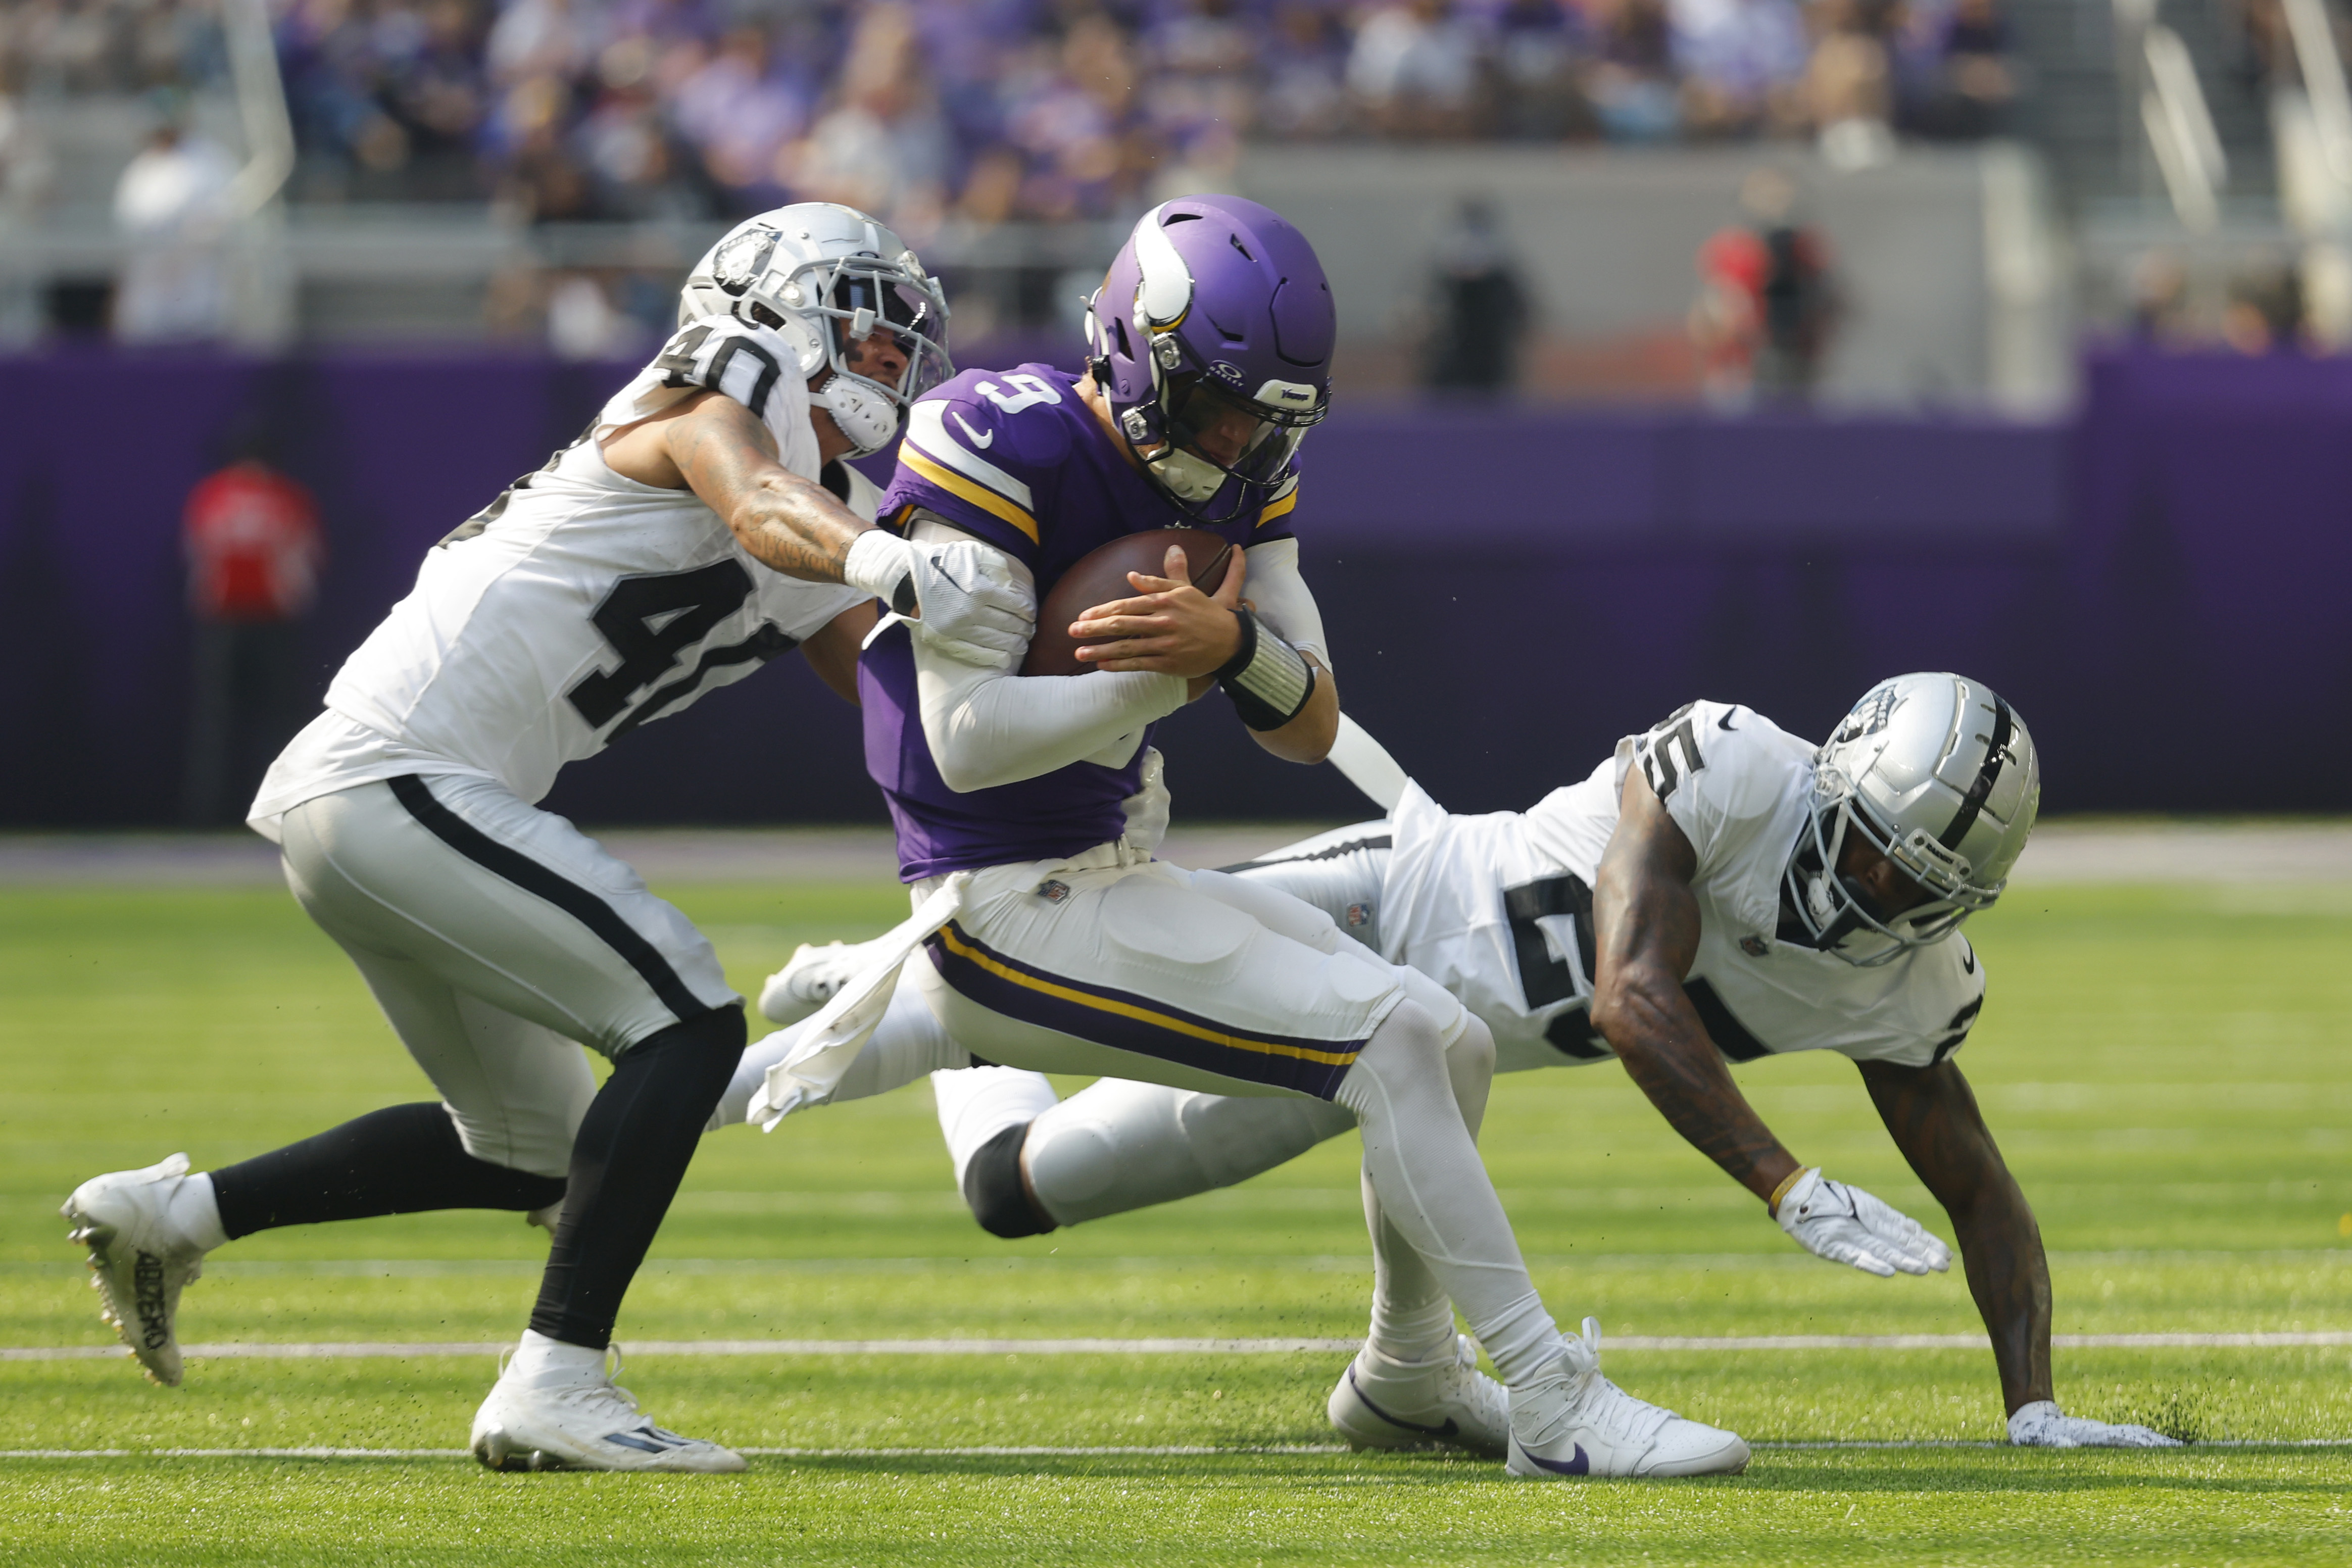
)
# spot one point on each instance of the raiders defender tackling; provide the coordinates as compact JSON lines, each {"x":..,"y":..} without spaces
{"x":1718,"y":890}
{"x":704,"y":525}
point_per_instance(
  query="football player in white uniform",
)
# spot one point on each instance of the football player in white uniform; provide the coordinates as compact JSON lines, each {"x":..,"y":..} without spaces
{"x":704,"y":524}
{"x":1675,"y":910}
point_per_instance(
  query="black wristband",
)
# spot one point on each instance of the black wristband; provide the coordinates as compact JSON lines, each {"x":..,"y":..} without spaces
{"x":1269,"y":680}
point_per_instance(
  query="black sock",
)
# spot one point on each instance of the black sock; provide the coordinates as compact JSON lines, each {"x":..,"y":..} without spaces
{"x":404,"y":1158}
{"x":627,"y":1161}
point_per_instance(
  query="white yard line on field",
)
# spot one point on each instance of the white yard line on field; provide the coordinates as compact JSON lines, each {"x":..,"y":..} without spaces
{"x":1072,"y":1451}
{"x":345,"y":1350}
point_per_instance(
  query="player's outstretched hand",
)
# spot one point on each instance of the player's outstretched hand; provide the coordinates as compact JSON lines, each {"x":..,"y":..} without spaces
{"x":1170,"y":627}
{"x":2042,"y":1424}
{"x":1846,"y":1224}
{"x":968,"y":603}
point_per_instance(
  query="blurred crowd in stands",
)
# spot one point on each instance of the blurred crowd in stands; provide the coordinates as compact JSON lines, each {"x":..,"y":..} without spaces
{"x":1009,"y":109}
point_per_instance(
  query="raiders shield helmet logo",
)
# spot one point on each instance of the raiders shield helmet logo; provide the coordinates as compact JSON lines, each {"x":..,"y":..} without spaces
{"x":741,"y":259}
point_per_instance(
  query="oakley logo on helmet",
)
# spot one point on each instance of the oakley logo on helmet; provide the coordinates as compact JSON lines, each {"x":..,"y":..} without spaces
{"x":1230,"y":374}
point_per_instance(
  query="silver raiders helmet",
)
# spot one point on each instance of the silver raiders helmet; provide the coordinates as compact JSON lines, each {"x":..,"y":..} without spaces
{"x":822,"y":275}
{"x":1937,"y":773}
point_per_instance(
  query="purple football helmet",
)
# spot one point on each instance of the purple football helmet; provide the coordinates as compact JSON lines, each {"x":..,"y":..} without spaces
{"x":1212,"y":338}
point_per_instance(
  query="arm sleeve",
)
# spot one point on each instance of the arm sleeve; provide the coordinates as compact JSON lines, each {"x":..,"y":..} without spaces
{"x":990,"y":727}
{"x":1282,"y":599}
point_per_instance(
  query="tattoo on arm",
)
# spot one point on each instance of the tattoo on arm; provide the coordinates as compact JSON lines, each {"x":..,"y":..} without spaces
{"x":787,"y":523}
{"x":1933,"y":1117}
{"x":1646,"y":930}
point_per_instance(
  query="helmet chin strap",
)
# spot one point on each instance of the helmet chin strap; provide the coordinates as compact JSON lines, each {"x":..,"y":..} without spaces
{"x":1186,"y":477}
{"x":866,"y":415}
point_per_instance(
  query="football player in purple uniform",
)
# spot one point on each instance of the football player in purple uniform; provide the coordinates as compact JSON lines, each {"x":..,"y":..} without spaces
{"x":1057,"y":942}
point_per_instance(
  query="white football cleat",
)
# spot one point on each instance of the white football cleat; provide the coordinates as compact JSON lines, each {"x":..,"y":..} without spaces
{"x":591,"y":1425}
{"x":1571,"y":1421}
{"x":140,"y":1258}
{"x":1449,"y":1404}
{"x":809,"y":978}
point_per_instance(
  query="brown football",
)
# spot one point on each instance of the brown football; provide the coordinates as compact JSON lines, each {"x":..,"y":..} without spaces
{"x":1100,"y":576}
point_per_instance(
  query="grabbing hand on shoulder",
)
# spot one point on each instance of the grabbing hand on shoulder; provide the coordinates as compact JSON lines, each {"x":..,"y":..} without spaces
{"x":1846,"y":1224}
{"x":2042,"y":1424}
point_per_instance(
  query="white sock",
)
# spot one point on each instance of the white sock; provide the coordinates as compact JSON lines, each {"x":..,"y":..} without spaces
{"x":1521,"y":1339}
{"x":195,"y":1212}
{"x":553,"y":1363}
{"x":1437,"y":1196}
{"x":977,"y":1103}
{"x":1412,"y":1320}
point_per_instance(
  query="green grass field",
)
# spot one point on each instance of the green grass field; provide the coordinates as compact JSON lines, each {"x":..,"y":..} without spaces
{"x":2165,"y":1067}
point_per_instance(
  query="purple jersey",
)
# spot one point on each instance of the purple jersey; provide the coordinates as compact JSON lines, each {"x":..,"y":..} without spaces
{"x":1016,"y":459}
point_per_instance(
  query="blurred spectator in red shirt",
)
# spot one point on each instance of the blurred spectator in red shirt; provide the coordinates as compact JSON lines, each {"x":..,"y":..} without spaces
{"x":1767,"y":301}
{"x":254,"y":551}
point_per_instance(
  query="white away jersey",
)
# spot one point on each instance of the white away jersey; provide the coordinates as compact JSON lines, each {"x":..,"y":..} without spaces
{"x":1499,"y":908}
{"x":577,"y":605}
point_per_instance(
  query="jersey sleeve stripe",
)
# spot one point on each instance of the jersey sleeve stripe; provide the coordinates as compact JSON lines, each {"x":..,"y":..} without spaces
{"x":956,"y":485}
{"x":1278,"y":506}
{"x":927,"y":431}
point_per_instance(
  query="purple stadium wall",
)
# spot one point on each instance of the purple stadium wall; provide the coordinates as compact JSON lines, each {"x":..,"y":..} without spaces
{"x":1508,"y":590}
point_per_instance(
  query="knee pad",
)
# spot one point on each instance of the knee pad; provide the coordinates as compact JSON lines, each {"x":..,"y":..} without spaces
{"x":991,"y":1187}
{"x":1471,"y":1048}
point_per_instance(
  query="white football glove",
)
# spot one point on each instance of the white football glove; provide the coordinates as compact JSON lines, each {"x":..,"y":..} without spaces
{"x":1846,"y":1224}
{"x":967,"y":602}
{"x":2042,"y":1424}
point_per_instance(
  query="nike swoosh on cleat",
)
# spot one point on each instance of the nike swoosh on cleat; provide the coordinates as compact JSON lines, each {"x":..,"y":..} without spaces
{"x":975,"y":436}
{"x":1579,"y":1465}
{"x":1448,"y":1430}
